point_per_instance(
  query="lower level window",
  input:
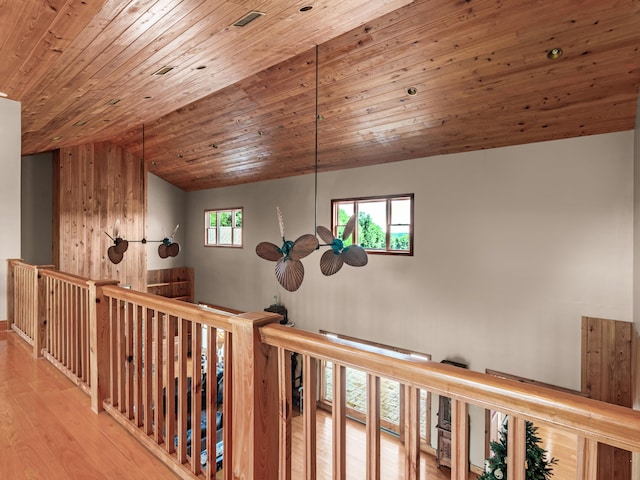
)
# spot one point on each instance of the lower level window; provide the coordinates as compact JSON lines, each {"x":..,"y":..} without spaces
{"x":223,"y":228}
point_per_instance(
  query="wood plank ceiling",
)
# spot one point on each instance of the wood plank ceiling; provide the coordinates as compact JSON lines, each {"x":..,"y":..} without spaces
{"x":239,"y":105}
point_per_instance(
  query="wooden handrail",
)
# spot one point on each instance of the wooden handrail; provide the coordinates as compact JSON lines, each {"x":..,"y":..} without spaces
{"x":595,"y":420}
{"x":200,"y":314}
{"x":69,"y":278}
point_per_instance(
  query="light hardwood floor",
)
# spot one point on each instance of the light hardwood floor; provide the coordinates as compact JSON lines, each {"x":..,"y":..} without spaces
{"x":48,"y":432}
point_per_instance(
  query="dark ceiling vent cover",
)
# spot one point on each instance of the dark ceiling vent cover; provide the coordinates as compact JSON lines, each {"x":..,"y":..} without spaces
{"x":248,"y":18}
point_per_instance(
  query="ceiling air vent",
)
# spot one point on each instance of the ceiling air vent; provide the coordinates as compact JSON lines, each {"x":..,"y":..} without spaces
{"x":163,"y":71}
{"x":248,"y":18}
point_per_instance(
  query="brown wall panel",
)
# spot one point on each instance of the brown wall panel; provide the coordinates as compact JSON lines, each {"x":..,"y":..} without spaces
{"x":607,"y":375}
{"x":94,"y":185}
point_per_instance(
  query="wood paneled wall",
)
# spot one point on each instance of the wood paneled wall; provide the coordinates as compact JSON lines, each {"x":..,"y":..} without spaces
{"x":94,"y":185}
{"x":607,"y":375}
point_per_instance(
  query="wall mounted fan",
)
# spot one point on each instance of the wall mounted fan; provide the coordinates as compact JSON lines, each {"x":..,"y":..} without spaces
{"x":116,"y":251}
{"x":167,"y":247}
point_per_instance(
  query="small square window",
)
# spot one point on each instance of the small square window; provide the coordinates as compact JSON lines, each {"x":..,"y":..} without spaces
{"x":223,"y":227}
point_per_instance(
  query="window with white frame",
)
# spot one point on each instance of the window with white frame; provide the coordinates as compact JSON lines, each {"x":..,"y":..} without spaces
{"x":385,"y":223}
{"x":223,"y":227}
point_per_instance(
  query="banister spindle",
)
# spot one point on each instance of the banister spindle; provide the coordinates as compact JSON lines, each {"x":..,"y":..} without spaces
{"x":373,"y":427}
{"x":516,"y":448}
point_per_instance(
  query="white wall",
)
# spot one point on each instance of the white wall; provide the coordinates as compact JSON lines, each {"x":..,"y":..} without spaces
{"x":166,"y":208}
{"x":10,"y":145}
{"x":512,"y":247}
{"x":36,"y":212}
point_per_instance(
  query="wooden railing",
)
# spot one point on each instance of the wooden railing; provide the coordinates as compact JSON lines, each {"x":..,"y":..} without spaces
{"x":23,"y":301}
{"x":156,"y":382}
{"x":66,"y":304}
{"x":138,"y":355}
{"x":592,"y":421}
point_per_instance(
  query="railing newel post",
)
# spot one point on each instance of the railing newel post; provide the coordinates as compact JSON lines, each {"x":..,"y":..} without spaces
{"x":99,"y":344}
{"x":254,"y":419}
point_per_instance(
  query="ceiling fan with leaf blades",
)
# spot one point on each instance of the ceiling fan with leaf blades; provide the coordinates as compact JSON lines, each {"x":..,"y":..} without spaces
{"x":289,"y":268}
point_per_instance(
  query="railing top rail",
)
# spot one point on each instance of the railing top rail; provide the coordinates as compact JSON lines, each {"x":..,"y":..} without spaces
{"x":68,"y":277}
{"x":173,"y":307}
{"x":18,"y":263}
{"x":603,"y":422}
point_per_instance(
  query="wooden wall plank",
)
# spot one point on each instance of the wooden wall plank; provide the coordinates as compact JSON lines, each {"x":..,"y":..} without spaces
{"x":94,"y":186}
{"x":607,"y":359}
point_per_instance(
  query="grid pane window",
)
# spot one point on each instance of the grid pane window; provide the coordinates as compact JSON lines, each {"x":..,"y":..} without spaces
{"x":223,"y":228}
{"x":385,"y":223}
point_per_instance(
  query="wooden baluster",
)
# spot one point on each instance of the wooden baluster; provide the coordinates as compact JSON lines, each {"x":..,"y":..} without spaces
{"x":169,"y":381}
{"x":339,"y":422}
{"x":158,"y":417}
{"x":138,"y":320}
{"x":122,"y":356}
{"x":196,"y":397}
{"x":411,"y":432}
{"x":587,"y":459}
{"x":148,"y":367}
{"x":182,"y":389}
{"x":459,"y":439}
{"x":284,"y":401}
{"x":373,"y":427}
{"x":129,"y":355}
{"x":516,"y":448}
{"x":309,"y":382}
{"x":227,"y":405}
{"x":39,"y":340}
{"x":11,"y":291}
{"x":212,"y":401}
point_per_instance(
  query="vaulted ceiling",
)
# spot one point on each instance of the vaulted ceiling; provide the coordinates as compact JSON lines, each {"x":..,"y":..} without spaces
{"x":395,"y":79}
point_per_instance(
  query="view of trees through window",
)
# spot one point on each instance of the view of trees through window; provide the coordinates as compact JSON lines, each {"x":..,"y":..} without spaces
{"x":385,"y":224}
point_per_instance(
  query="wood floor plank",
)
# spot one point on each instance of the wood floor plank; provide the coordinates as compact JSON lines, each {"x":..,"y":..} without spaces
{"x":48,"y":431}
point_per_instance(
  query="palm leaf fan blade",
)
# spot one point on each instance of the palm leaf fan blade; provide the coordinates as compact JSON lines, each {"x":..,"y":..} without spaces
{"x":162,"y":251}
{"x":114,"y":256}
{"x":280,"y":222}
{"x":303,"y":246}
{"x":121,"y":245}
{"x":325,"y":234}
{"x":355,"y":255}
{"x":330,"y":262}
{"x":289,"y":273}
{"x":348,"y":228}
{"x":173,"y":249}
{"x":269,"y":251}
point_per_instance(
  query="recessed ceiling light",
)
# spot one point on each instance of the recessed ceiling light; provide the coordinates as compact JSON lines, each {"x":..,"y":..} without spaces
{"x":412,"y":91}
{"x":163,"y":71}
{"x":306,"y":8}
{"x":113,"y":101}
{"x":201,"y":67}
{"x":554,"y":53}
{"x":247,"y":19}
{"x":80,"y":123}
